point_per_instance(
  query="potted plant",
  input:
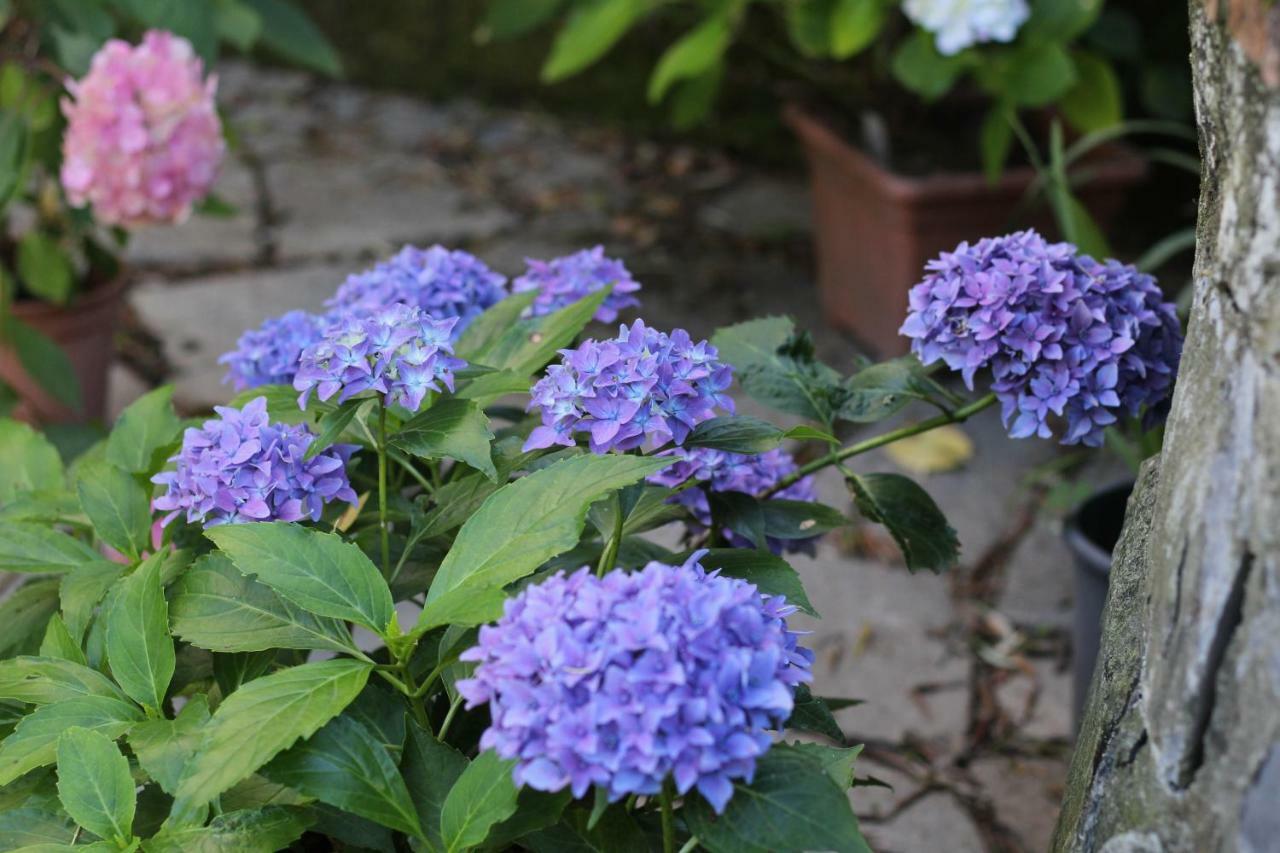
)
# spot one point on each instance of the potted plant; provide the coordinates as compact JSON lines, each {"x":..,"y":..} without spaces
{"x":99,"y":137}
{"x":914,"y":159}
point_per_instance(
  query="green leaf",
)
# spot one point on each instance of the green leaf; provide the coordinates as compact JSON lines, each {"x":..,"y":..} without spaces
{"x":917,"y":65}
{"x":776,"y":366}
{"x":836,"y":760}
{"x":771,"y":574}
{"x":44,"y":268}
{"x":346,"y":766}
{"x":34,"y":742}
{"x":811,"y":714}
{"x":917,"y":525}
{"x":528,"y":345}
{"x":809,"y":26}
{"x":117,"y":506}
{"x":14,"y":150}
{"x":526,"y":523}
{"x":45,"y":680}
{"x":1061,"y":20}
{"x":45,"y":362}
{"x":736,"y":434}
{"x":855,"y":25}
{"x":94,"y":784}
{"x":452,"y":428}
{"x":39,"y":548}
{"x":262,"y":719}
{"x":535,"y":811}
{"x":791,"y":805}
{"x":507,"y":19}
{"x":24,"y":614}
{"x":216,"y":607}
{"x":883,"y":389}
{"x":465,"y":607}
{"x":32,"y":828}
{"x":138,"y":643}
{"x":1095,"y":102}
{"x":591,"y":30}
{"x":487,"y":329}
{"x":192,"y":21}
{"x":383,"y":713}
{"x":146,"y":426}
{"x":164,"y":747}
{"x":430,"y":770}
{"x":695,"y":97}
{"x":260,"y":830}
{"x":483,"y":796}
{"x":333,"y":424}
{"x":236,"y":23}
{"x":282,"y":404}
{"x":59,"y":644}
{"x":1039,"y":74}
{"x":995,"y":139}
{"x":28,"y":462}
{"x":81,"y":591}
{"x":316,"y":571}
{"x":689,"y":56}
{"x":288,"y":32}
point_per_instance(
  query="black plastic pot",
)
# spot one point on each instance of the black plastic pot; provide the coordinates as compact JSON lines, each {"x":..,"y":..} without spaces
{"x":1091,"y":534}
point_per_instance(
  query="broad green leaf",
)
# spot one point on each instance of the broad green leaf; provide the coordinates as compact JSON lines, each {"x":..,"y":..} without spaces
{"x":430,"y":770}
{"x":59,"y":644}
{"x":333,"y":424}
{"x":591,"y":30}
{"x":1039,"y":74}
{"x":995,"y":139}
{"x":809,"y":26}
{"x":32,"y":826}
{"x":452,"y":428}
{"x":231,"y":670}
{"x":464,"y":606}
{"x":316,"y":571}
{"x":771,"y":574}
{"x":855,"y":25}
{"x":487,"y":329}
{"x":237,"y":23}
{"x":792,"y":805}
{"x":690,"y":55}
{"x":148,"y":424}
{"x":289,"y":33}
{"x":812,"y":714}
{"x":216,"y":607}
{"x":880,"y":390}
{"x":535,"y":811}
{"x":736,"y":434}
{"x":282,"y":404}
{"x":164,"y":747}
{"x":28,"y":462}
{"x":261,"y":720}
{"x":24,"y":615}
{"x":138,"y":643}
{"x":345,"y":765}
{"x":15,"y":150}
{"x":45,"y":362}
{"x":34,"y":742}
{"x":918,"y":66}
{"x":81,"y":591}
{"x":1061,"y":20}
{"x":257,"y":791}
{"x":695,"y":97}
{"x":260,"y":830}
{"x":506,"y":19}
{"x":40,"y":548}
{"x":774,"y":518}
{"x":44,"y":267}
{"x":528,"y":345}
{"x":192,"y":21}
{"x":45,"y":680}
{"x":483,"y":796}
{"x":838,"y":761}
{"x":776,"y":365}
{"x":94,"y":784}
{"x":117,"y":506}
{"x":383,"y":713}
{"x":1095,"y":102}
{"x":529,"y":521}
{"x":917,"y":525}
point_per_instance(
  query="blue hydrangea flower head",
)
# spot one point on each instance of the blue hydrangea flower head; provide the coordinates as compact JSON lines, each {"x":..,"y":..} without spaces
{"x":241,"y":467}
{"x":268,"y":355}
{"x":642,"y":387}
{"x":1065,"y":336}
{"x":441,"y":282}
{"x":397,"y":351}
{"x":624,"y":681}
{"x":565,"y":280}
{"x":722,"y":471}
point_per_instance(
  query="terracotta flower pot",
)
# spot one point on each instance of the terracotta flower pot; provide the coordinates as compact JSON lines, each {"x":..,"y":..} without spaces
{"x":85,"y":330}
{"x":875,"y":230}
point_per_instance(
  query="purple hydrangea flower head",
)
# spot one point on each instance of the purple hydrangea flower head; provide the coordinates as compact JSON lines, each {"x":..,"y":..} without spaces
{"x":623,"y":681}
{"x":1065,"y":336}
{"x":268,"y":355}
{"x":397,"y":351}
{"x":722,"y":471}
{"x":241,"y":467}
{"x":563,"y":281}
{"x":644,"y":386}
{"x":441,"y":282}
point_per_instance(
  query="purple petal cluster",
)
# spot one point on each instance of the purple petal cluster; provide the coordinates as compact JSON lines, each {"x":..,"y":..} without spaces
{"x":1064,"y":335}
{"x":268,"y":355}
{"x":722,"y":471}
{"x":441,"y":282}
{"x":623,"y":681}
{"x":397,"y":351}
{"x":642,"y":386}
{"x":240,"y":467}
{"x":563,"y":281}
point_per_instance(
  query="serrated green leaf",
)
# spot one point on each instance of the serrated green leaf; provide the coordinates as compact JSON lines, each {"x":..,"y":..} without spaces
{"x":24,"y":615}
{"x":282,"y":404}
{"x":690,"y":55}
{"x":30,"y":826}
{"x":94,"y":784}
{"x":882,"y":389}
{"x":82,"y":589}
{"x":453,"y":429}
{"x":771,"y":574}
{"x":529,"y":344}
{"x":34,"y":742}
{"x":260,"y":830}
{"x":331,"y":425}
{"x":735,"y":434}
{"x":430,"y":770}
{"x":39,"y":548}
{"x":44,"y":680}
{"x":261,"y":720}
{"x":216,"y":607}
{"x":485,"y":331}
{"x":838,"y":761}
{"x":28,"y":462}
{"x":591,"y":30}
{"x":138,"y":643}
{"x":483,"y":796}
{"x":59,"y":644}
{"x":148,"y":424}
{"x":911,"y":516}
{"x":811,"y":714}
{"x":164,"y":747}
{"x":117,"y":506}
{"x":317,"y":571}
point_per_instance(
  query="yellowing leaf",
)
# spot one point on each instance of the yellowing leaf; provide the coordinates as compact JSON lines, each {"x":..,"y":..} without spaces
{"x":943,"y":449}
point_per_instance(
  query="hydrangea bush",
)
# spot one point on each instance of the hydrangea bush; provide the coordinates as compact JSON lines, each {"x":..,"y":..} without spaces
{"x":399,"y":612}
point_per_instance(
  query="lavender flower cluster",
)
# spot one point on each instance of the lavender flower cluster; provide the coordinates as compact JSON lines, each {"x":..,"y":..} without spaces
{"x":440,"y":282}
{"x":642,"y":386}
{"x":240,"y":467}
{"x":722,"y":471}
{"x":398,"y":351}
{"x":563,"y":281}
{"x":622,"y":681}
{"x":1064,"y":335}
{"x":269,"y":354}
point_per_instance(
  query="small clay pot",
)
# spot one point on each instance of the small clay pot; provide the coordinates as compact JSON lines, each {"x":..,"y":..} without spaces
{"x":874,"y":230}
{"x":85,"y":330}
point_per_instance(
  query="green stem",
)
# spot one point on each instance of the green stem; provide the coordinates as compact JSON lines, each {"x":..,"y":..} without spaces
{"x":448,"y":718}
{"x":960,"y":415}
{"x":668,"y":822}
{"x":690,"y":845}
{"x":609,"y":558}
{"x":382,"y":489}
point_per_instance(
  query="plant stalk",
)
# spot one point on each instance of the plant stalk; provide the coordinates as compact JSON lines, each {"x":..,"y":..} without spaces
{"x":668,"y":821}
{"x":609,"y":558}
{"x":382,"y":489}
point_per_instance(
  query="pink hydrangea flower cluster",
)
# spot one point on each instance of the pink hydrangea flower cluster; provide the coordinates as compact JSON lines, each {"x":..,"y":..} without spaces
{"x":143,"y":140}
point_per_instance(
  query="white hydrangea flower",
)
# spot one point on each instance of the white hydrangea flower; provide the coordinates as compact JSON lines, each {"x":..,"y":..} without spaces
{"x":957,"y":24}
